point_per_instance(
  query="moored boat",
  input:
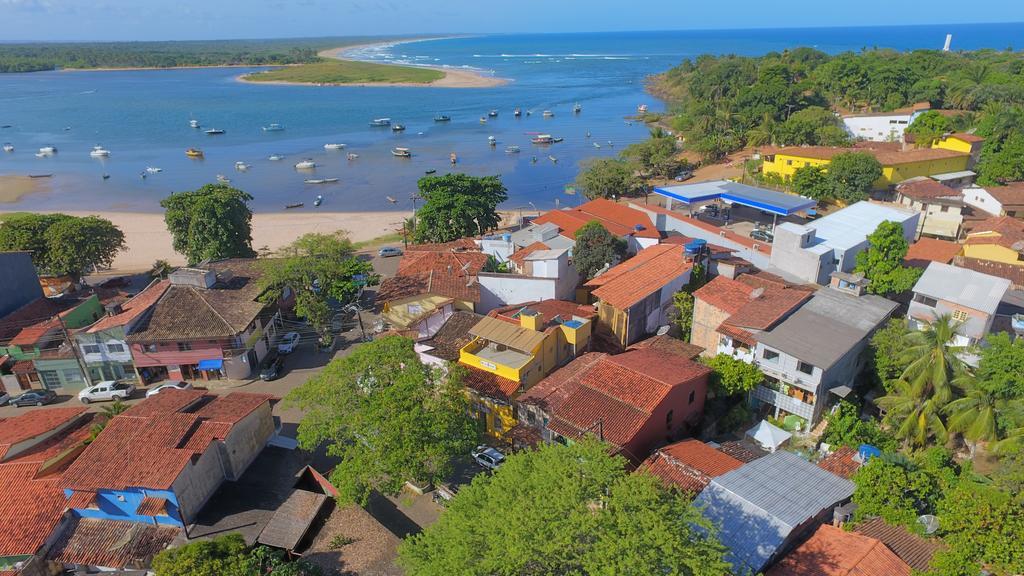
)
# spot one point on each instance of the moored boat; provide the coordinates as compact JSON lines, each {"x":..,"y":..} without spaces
{"x":577,"y":108}
{"x":241,"y":166}
{"x":512,"y":150}
{"x":641,"y":109}
{"x":542,"y":139}
{"x":553,"y":159}
{"x":442,"y":118}
{"x":397,"y":128}
{"x":215,"y":131}
{"x":492,"y":140}
{"x":493,"y":113}
{"x":483,"y":120}
{"x":319,"y":200}
{"x":223,"y":179}
{"x":40,"y":175}
{"x":334,"y":146}
{"x":548,"y":114}
{"x":275,"y":157}
{"x":275,"y":127}
{"x":194,"y":153}
{"x":154,"y":169}
{"x":431,"y":171}
{"x":99,"y":152}
{"x":305,"y":165}
{"x":401,"y":152}
{"x":48,"y":150}
{"x":556,"y":140}
{"x":193,"y":123}
{"x":352,"y":156}
{"x":8,"y":147}
{"x":517,"y":112}
{"x":377,"y":122}
{"x":320,"y":180}
{"x":295,"y":205}
{"x":596,"y":145}
{"x":453,"y":158}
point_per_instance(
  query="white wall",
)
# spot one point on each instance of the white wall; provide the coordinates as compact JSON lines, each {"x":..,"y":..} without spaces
{"x":982,"y":200}
{"x":497,"y":247}
{"x":877,"y":128}
{"x":497,"y":290}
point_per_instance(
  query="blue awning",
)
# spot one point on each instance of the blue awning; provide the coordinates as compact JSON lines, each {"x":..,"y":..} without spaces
{"x":735,"y":193}
{"x":213,"y":364}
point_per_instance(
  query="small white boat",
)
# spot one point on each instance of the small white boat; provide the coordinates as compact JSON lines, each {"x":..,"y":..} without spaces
{"x":517,"y":112}
{"x":642,"y":109}
{"x":320,"y":180}
{"x":492,"y":140}
{"x":305,"y":165}
{"x":319,"y":200}
{"x":596,"y":145}
{"x":512,"y":150}
{"x":401,"y":152}
{"x":48,"y":150}
{"x":8,"y":147}
{"x":376,"y":122}
{"x":193,"y":123}
{"x":610,"y":145}
{"x":553,"y":159}
{"x":224,"y":179}
{"x":241,"y":166}
{"x":577,"y":108}
{"x":99,"y":152}
{"x":334,"y":146}
{"x":214,"y":131}
{"x":41,"y":155}
{"x":453,"y":158}
{"x":493,"y":113}
{"x":154,"y":170}
{"x":548,"y":114}
{"x":352,"y":156}
{"x":273,"y":128}
{"x":483,"y":120}
{"x":275,"y":157}
{"x":398,"y":128}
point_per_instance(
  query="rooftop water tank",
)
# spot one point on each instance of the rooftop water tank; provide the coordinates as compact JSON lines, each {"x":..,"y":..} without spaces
{"x":695,"y":246}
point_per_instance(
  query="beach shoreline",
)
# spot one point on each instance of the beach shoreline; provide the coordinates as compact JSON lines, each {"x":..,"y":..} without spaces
{"x":453,"y":78}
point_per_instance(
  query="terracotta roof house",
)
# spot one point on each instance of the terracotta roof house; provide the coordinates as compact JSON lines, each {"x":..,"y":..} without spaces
{"x":941,"y":207}
{"x":665,"y":343}
{"x":999,"y":239}
{"x":633,"y":400}
{"x":1011,"y":272}
{"x":912,"y":549}
{"x":451,"y":274}
{"x":842,"y":462}
{"x":634,"y":297}
{"x":689,"y":465}
{"x":928,"y":250}
{"x":628,"y":223}
{"x":1006,"y":200}
{"x":832,"y":551}
{"x":176,"y":447}
{"x":207,"y":323}
{"x":445,"y":344}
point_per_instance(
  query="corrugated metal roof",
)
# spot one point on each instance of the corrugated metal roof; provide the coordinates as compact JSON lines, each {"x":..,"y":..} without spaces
{"x":515,"y":337}
{"x":962,"y":286}
{"x":734,"y":192}
{"x":850,"y":226}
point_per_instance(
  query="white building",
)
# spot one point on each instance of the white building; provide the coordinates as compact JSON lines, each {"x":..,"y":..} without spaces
{"x":997,"y":200}
{"x":540,"y":275}
{"x":970,"y":298}
{"x":883,"y":126}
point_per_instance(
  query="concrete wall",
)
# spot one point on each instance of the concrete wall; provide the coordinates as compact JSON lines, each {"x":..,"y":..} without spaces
{"x":793,"y":253}
{"x":706,"y":320}
{"x":887,"y":128}
{"x":122,"y":505}
{"x":247,"y":439}
{"x":108,"y":341}
{"x":198,"y":481}
{"x":975,"y":327}
{"x":497,"y":290}
{"x":935,"y":220}
{"x":68,"y":373}
{"x":982,"y":200}
{"x":20,"y":284}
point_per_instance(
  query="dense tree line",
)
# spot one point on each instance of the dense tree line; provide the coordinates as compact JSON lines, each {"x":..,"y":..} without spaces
{"x":722,"y":103}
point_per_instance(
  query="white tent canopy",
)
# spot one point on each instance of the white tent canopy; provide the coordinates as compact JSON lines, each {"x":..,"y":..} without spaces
{"x":768,"y":436}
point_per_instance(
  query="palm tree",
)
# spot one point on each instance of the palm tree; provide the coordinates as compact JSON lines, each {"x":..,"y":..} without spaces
{"x":934,"y":359}
{"x":915,"y":415}
{"x":975,"y":415}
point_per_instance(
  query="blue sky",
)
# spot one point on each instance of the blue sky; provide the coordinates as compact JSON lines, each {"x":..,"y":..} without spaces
{"x":206,"y":19}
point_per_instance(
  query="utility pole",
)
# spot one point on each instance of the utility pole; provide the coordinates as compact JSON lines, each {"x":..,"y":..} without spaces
{"x":74,"y":350}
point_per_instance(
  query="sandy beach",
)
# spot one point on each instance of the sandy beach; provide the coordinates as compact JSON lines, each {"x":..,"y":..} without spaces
{"x":148,"y":239}
{"x":12,"y":187}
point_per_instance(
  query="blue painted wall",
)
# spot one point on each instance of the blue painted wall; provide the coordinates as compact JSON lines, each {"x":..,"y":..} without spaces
{"x":20,"y":281}
{"x":122,"y":504}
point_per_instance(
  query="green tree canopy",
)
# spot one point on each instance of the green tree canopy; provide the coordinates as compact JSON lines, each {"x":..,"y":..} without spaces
{"x":813,"y":182}
{"x":570,"y":510}
{"x":1001,"y":367}
{"x":812,"y":125}
{"x":929,"y":127}
{"x":318,"y":268}
{"x":982,"y":525}
{"x":733,"y":376}
{"x":228,"y":556}
{"x":457,"y":206}
{"x":887,"y":352}
{"x":896,"y":489}
{"x":847,"y":428}
{"x":882,"y":261}
{"x":62,"y":244}
{"x":389,"y":418}
{"x":682,"y":302}
{"x":596,"y":247}
{"x":210,"y":223}
{"x":608,"y":178}
{"x":853,"y":175}
{"x":655,"y":156}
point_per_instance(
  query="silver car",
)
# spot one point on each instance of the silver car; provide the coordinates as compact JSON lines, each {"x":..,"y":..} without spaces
{"x":487,"y":457}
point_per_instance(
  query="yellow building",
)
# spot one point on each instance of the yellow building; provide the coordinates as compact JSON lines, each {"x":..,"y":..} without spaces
{"x":999,"y":239}
{"x":516,"y":347}
{"x":952,"y":153}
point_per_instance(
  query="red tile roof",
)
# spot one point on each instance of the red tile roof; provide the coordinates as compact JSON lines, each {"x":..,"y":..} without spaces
{"x":152,"y":506}
{"x":832,"y":551}
{"x":669,"y":344}
{"x":449,"y":274}
{"x":911,"y":548}
{"x":1010,"y":194}
{"x":591,"y":411}
{"x":927,"y":189}
{"x":110,"y":543}
{"x":133,"y":308}
{"x":619,"y":219}
{"x":30,"y":335}
{"x":551,"y":309}
{"x":725,"y":294}
{"x":752,"y":302}
{"x":633,"y":280}
{"x":1011,"y":272}
{"x":928,"y":250}
{"x":840,"y":462}
{"x":462,"y":244}
{"x":1010,"y":233}
{"x":38,"y":310}
{"x":690,"y":464}
{"x":489,"y":384}
{"x":36,"y":423}
{"x":166,"y":402}
{"x":519,"y":256}
{"x":967,"y":137}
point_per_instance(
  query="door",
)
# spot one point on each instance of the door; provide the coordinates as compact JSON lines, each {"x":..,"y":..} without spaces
{"x":101,"y":393}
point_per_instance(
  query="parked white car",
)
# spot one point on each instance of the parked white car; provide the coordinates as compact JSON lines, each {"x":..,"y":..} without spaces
{"x":108,"y":390}
{"x":288,"y":343}
{"x":172,"y":385}
{"x":488,"y":457}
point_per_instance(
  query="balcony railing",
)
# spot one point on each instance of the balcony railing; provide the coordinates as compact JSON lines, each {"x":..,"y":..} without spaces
{"x":784,"y":402}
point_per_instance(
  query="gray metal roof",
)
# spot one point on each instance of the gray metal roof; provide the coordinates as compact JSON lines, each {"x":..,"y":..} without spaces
{"x":825,"y":328}
{"x":550,"y":254}
{"x":850,"y":226}
{"x":734,"y":192}
{"x":758,"y":505}
{"x":962,"y":286}
{"x":953,"y":175}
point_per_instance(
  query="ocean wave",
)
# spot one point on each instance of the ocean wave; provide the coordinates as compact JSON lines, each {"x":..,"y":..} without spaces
{"x":572,"y":55}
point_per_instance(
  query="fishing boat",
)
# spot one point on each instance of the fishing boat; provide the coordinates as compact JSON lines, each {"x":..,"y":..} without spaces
{"x":453,"y":158}
{"x":401,"y":152}
{"x":273,"y":128}
{"x":610,"y":145}
{"x":241,"y":166}
{"x":319,"y":200}
{"x":5,"y":126}
{"x":99,"y":152}
{"x":529,"y":112}
{"x":553,"y":159}
{"x":193,"y":124}
{"x":8,"y":147}
{"x":397,"y":128}
{"x":492,"y":140}
{"x":431,"y":171}
{"x":576,"y":109}
{"x":548,"y":114}
{"x":378,"y":122}
{"x":214,"y":131}
{"x":483,"y":120}
{"x":542,"y":139}
{"x":224,"y":179}
{"x":320,"y":180}
{"x":588,"y":134}
{"x":154,"y":170}
{"x":334,"y":146}
{"x":517,"y":112}
{"x":390,"y":199}
{"x":641,"y":109}
{"x":106,"y":176}
{"x":40,"y":175}
{"x":305,"y":165}
{"x":194,"y":153}
{"x":556,"y":140}
{"x":352,"y":156}
{"x":493,"y":113}
{"x":48,"y":150}
{"x":596,"y":145}
{"x":295,"y":205}
{"x":275,"y":157}
{"x":442,"y":118}
{"x":512,"y":150}
{"x":143,"y":174}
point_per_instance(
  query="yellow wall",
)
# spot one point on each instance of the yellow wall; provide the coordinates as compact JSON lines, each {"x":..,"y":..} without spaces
{"x":615,"y":319}
{"x":991,"y":252}
{"x":497,"y":413}
{"x":467,"y":357}
{"x":953,"y":143}
{"x":785,"y":165}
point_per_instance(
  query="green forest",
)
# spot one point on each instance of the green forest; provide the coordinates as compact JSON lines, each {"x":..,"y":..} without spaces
{"x":720,"y":104}
{"x":40,"y":57}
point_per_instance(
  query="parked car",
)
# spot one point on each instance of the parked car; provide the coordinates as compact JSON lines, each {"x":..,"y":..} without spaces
{"x":684,"y":175}
{"x":762,"y":235}
{"x":108,"y":390}
{"x":488,"y":457}
{"x":34,"y":398}
{"x":172,"y":385}
{"x":389,"y":251}
{"x":288,"y":343}
{"x":270,"y":368}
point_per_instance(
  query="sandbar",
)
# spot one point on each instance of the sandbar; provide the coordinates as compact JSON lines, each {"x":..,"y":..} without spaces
{"x":13,"y":187}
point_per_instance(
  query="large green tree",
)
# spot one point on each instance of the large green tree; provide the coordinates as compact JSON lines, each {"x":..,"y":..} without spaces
{"x":888,"y":360}
{"x":853,"y":175}
{"x":899,"y":489}
{"x":929,"y":127}
{"x":318,"y":269}
{"x":457,"y":206}
{"x":733,"y":376}
{"x":982,"y":525}
{"x":812,"y":125}
{"x":608,"y":178}
{"x":570,"y":510}
{"x":655,"y":156}
{"x":228,"y":556}
{"x":210,"y":223}
{"x":847,"y":428}
{"x":387,"y":416}
{"x":62,"y":244}
{"x":882,"y":261}
{"x":596,"y":248}
{"x":813,"y":182}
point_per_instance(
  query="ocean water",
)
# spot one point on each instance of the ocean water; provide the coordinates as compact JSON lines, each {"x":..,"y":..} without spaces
{"x":142,"y":117}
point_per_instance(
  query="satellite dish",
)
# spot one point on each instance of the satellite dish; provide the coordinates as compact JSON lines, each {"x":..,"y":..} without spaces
{"x":662,"y":330}
{"x":929,"y":522}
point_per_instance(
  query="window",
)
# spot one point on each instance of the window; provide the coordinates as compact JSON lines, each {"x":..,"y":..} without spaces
{"x":72,"y":375}
{"x":945,"y":208}
{"x":922,"y":299}
{"x":115,"y":347}
{"x":668,"y":418}
{"x":498,"y":424}
{"x":789,"y":162}
{"x":805,"y":368}
{"x":960,"y":316}
{"x":184,"y":346}
{"x":150,"y":348}
{"x":92,"y":348}
{"x":693,"y":396}
{"x":50,"y":379}
{"x":770,"y":355}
